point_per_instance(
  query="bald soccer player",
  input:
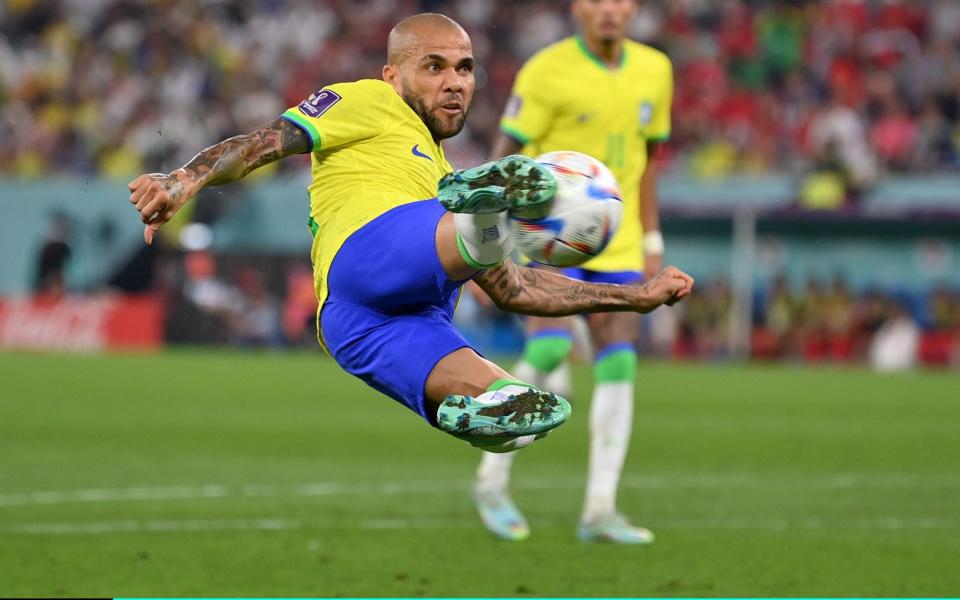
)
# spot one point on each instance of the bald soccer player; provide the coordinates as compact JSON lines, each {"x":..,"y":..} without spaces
{"x":622,"y":119}
{"x":390,"y":252}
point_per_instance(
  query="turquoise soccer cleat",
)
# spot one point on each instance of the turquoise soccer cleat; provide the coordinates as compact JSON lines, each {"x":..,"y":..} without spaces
{"x":613,"y":528}
{"x":513,"y":183}
{"x":500,"y":515}
{"x":503,"y":420}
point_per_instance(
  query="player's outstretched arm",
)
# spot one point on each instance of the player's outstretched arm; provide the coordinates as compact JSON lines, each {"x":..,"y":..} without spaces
{"x":159,"y":196}
{"x":542,"y":293}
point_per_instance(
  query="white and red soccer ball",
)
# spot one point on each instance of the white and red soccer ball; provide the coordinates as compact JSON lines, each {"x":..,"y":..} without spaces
{"x":581,"y":219}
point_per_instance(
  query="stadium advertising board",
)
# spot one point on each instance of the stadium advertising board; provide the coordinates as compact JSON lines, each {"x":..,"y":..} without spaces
{"x":81,"y":324}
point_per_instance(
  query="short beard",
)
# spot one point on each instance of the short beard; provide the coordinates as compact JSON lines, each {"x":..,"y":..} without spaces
{"x":435,"y":125}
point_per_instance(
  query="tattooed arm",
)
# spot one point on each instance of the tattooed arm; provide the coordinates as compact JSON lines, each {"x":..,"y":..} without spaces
{"x":543,"y":293}
{"x":158,"y":196}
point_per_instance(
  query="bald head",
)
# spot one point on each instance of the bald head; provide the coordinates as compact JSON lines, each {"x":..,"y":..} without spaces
{"x":430,"y":65}
{"x":414,"y":32}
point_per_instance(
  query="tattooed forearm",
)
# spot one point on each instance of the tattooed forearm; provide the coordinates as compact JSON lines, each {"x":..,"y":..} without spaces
{"x":544,"y":293}
{"x":501,"y":284}
{"x":233,"y":158}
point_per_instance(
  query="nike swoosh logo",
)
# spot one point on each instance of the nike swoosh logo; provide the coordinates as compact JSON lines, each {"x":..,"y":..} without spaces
{"x":417,"y":152}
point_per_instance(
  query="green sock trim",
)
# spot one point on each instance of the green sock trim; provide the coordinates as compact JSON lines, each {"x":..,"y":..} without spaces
{"x":617,"y":366}
{"x":502,"y":383}
{"x":546,"y":352}
{"x":469,"y":259}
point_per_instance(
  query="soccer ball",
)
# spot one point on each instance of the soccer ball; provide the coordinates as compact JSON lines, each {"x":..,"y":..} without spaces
{"x":577,"y":224}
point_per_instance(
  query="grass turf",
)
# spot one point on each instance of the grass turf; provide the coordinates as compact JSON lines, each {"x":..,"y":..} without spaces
{"x":191,"y":473}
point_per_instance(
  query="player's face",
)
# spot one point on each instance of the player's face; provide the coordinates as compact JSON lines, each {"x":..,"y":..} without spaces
{"x":604,"y":20}
{"x":437,"y":82}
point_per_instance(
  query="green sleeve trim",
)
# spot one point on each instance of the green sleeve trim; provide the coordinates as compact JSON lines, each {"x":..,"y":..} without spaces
{"x":469,"y":259}
{"x":659,"y":138}
{"x":316,"y":140}
{"x":515,"y":134}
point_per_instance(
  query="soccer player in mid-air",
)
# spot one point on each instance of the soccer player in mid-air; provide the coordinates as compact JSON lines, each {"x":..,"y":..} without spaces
{"x":618,"y":111}
{"x":391,"y":250}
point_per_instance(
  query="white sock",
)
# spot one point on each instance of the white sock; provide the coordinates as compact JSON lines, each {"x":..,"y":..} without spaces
{"x":493,"y":474}
{"x":558,"y":381}
{"x":484,"y":237}
{"x":611,"y":419}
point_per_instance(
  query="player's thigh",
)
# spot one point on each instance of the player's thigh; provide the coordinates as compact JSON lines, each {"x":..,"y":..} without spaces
{"x":461,"y":372}
{"x":449,"y":252}
{"x":613,"y":328}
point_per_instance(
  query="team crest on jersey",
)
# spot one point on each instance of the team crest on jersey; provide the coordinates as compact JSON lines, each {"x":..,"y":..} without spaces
{"x":646,"y":113}
{"x":513,"y":106}
{"x":319,"y":102}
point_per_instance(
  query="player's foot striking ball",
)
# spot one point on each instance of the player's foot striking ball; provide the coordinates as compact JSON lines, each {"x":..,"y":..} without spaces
{"x":512,"y":183}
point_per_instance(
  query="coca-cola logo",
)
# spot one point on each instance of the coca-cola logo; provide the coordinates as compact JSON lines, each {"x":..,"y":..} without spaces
{"x":69,"y":324}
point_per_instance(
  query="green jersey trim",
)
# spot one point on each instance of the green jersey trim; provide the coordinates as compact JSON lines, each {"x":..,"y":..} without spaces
{"x":515,"y":134}
{"x":659,"y":138}
{"x":596,"y":59}
{"x":316,"y":140}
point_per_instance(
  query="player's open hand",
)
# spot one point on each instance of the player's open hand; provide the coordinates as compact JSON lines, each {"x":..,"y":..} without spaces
{"x":669,"y":286}
{"x":157,"y":197}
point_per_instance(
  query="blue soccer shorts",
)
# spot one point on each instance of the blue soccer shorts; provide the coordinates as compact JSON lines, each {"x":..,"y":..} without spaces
{"x":388,"y":316}
{"x":617,"y":277}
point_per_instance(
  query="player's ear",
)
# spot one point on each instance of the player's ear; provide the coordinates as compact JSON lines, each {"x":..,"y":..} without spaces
{"x":391,"y":74}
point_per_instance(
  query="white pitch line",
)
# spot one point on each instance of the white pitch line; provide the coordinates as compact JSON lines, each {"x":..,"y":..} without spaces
{"x":95,"y":528}
{"x":115,"y":495}
{"x":343,"y":488}
{"x":421,"y":523}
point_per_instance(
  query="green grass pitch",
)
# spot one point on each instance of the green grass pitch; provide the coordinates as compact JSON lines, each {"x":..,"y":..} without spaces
{"x":194,"y":473}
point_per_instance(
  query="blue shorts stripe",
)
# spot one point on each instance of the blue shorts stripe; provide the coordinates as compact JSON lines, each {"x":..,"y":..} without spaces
{"x":554,"y":332}
{"x":616,"y":277}
{"x":611,"y":348}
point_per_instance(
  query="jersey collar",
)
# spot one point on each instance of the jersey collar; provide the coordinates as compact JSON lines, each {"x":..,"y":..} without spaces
{"x":596,"y":59}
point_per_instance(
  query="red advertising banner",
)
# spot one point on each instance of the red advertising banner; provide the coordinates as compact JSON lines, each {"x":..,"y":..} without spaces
{"x":80,"y":323}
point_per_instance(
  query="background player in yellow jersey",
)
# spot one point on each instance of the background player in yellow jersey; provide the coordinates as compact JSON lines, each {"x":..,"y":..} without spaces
{"x":607,"y":96}
{"x":389,"y":257}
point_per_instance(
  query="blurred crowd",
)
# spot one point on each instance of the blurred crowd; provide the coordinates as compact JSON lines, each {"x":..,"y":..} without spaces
{"x":265,"y":301}
{"x":836,"y":92}
{"x":824,"y":322}
{"x":220,"y":301}
{"x":253,"y":302}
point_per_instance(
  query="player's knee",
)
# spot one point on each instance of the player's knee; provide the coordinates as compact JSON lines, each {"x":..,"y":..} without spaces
{"x":483,"y":240}
{"x":547,"y":349}
{"x":616,"y":362}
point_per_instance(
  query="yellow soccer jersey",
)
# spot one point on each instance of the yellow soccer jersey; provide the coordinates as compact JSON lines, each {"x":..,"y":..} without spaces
{"x":370,"y":153}
{"x":565,"y":98}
